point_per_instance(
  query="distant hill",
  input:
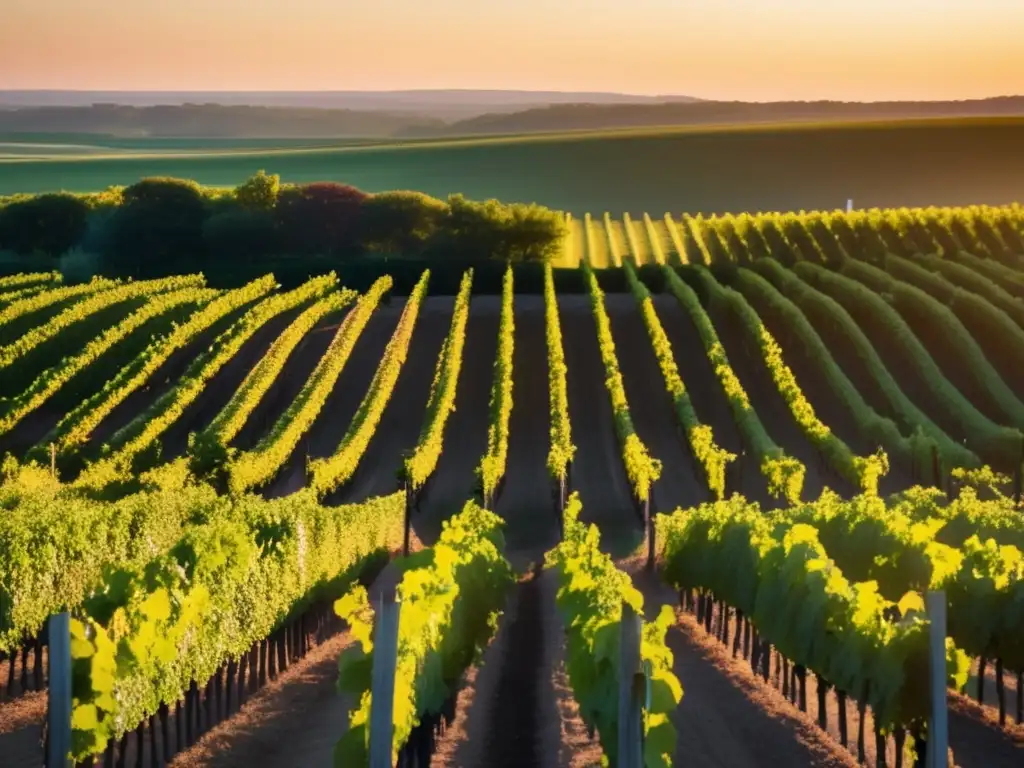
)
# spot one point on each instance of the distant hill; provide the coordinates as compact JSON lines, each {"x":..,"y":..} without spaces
{"x":411,"y":114}
{"x":565,"y":117}
{"x":214,"y":121}
{"x":451,"y":104}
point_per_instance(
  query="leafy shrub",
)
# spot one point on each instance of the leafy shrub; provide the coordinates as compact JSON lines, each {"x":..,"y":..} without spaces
{"x":509,"y":232}
{"x":48,"y":224}
{"x":259,"y":192}
{"x":158,"y":228}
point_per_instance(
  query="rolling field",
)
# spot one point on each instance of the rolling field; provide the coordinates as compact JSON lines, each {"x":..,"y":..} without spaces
{"x":705,"y":169}
{"x":806,"y":399}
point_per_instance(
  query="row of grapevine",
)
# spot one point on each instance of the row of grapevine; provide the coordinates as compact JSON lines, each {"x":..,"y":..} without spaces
{"x":54,"y":378}
{"x":77,"y":425}
{"x":330,"y":473}
{"x":210,"y":447}
{"x":84,"y":539}
{"x":784,"y":582}
{"x":52,"y":297}
{"x":492,"y":466}
{"x":154,"y":631}
{"x":143,"y":432}
{"x":420,"y":466}
{"x":590,"y":599}
{"x":258,"y":466}
{"x":641,"y":468}
{"x":712,"y":458}
{"x":863,"y":472}
{"x":17,"y":294}
{"x":971,"y":280}
{"x":1000,"y":446}
{"x":561,"y":450}
{"x":450,"y":597}
{"x":771,"y":304}
{"x":986,"y":330}
{"x":840,"y":331}
{"x":84,"y":310}
{"x":932,"y":320}
{"x":25,"y":280}
{"x":901,"y":552}
{"x":1009,"y":279}
{"x":785,"y":474}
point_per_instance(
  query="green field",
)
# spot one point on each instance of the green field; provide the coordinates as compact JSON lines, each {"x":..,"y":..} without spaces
{"x":912,"y":163}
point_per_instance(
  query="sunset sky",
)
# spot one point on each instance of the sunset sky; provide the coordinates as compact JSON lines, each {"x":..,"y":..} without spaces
{"x":722,"y":49}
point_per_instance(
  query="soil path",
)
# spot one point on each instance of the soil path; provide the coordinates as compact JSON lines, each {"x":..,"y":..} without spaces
{"x":597,"y":471}
{"x":681,"y":484}
{"x":728,"y":717}
{"x":349,"y":389}
{"x":526,"y":502}
{"x":399,"y":427}
{"x":465,"y":436}
{"x":709,"y":401}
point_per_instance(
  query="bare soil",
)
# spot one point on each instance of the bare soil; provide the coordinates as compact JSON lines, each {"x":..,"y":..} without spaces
{"x":709,"y":400}
{"x":682,"y":484}
{"x":526,"y":501}
{"x":400,"y":425}
{"x":465,"y":437}
{"x":21,"y":730}
{"x":597,"y":471}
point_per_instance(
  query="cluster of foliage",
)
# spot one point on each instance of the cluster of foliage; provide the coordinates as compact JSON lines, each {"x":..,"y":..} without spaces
{"x":785,"y":474}
{"x":26,"y":305}
{"x":165,"y":225}
{"x":562,"y":449}
{"x":590,"y":599}
{"x":641,"y":468}
{"x":233,"y":575}
{"x":492,"y":465}
{"x":210,"y":448}
{"x":330,"y":473}
{"x":421,"y":464}
{"x":800,"y":601}
{"x":712,"y":458}
{"x":449,"y":598}
{"x":258,"y":466}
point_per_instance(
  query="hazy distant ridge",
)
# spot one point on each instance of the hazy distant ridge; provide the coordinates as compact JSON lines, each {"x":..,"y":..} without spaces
{"x":427,"y":114}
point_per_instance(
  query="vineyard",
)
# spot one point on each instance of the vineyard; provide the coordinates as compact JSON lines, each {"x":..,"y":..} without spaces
{"x":685,"y":508}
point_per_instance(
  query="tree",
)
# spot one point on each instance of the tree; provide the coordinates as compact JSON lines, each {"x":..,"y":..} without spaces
{"x":48,"y":224}
{"x":259,"y":192}
{"x":242,"y":235}
{"x":399,"y":222}
{"x":158,"y":229}
{"x":506,"y":232}
{"x":320,"y":218}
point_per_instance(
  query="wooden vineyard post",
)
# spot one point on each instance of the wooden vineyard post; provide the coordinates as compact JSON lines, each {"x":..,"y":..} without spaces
{"x":938,"y":725}
{"x":408,"y":519}
{"x":631,"y":690}
{"x":385,"y":656}
{"x":58,"y":712}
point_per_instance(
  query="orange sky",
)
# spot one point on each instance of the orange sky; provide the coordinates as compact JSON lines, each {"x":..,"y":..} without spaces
{"x":727,"y":49}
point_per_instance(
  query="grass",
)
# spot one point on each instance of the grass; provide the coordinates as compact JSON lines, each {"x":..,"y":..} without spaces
{"x":693,"y":169}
